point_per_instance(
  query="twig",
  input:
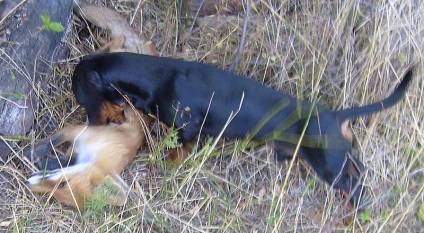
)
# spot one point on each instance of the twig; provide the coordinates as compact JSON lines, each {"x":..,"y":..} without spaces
{"x":11,"y":11}
{"x":243,"y":38}
{"x":17,"y":105}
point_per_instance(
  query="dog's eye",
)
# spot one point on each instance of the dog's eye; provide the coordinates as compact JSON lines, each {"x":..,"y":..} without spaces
{"x":61,"y":184}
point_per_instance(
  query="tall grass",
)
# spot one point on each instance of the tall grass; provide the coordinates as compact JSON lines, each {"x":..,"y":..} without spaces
{"x":348,"y":53}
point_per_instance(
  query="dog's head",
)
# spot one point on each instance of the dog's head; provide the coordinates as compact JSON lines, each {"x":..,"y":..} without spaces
{"x":87,"y":86}
{"x":101,"y":101}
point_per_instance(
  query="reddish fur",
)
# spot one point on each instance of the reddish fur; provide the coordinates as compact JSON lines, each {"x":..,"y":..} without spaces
{"x":111,"y":112}
{"x":111,"y":148}
{"x":178,"y":155}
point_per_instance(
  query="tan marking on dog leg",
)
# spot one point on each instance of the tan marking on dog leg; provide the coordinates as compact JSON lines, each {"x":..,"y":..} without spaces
{"x":346,"y":131}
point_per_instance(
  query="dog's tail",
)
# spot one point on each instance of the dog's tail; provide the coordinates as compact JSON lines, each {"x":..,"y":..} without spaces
{"x":395,"y":97}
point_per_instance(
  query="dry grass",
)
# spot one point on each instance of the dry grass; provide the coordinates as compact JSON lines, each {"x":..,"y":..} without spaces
{"x":349,"y":53}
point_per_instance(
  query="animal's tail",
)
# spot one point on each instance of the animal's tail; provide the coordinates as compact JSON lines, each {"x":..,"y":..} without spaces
{"x":397,"y":95}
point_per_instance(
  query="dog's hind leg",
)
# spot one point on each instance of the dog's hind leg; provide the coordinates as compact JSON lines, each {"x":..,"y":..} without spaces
{"x":282,"y":150}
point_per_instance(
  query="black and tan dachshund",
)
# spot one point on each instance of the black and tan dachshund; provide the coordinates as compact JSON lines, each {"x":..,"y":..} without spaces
{"x":197,"y":97}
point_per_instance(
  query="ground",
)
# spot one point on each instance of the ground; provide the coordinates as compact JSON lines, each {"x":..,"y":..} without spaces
{"x":345,"y":53}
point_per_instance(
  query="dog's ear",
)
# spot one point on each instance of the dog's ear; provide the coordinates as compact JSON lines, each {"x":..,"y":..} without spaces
{"x":346,"y":131}
{"x":95,"y":80}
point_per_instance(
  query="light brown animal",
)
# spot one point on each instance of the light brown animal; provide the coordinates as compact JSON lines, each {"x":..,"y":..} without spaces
{"x":98,"y":154}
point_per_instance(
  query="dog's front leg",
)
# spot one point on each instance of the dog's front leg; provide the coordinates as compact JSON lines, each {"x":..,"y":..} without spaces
{"x":179,"y":155}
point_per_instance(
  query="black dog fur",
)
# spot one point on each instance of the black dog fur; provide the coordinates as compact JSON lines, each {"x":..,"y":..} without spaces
{"x":189,"y":94}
